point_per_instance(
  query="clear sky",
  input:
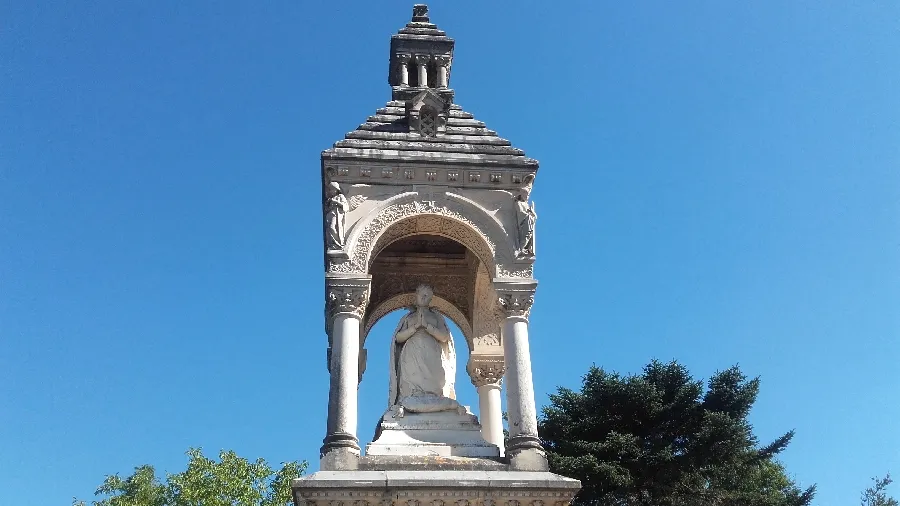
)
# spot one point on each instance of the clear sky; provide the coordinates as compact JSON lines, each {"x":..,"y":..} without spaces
{"x":719,"y":185}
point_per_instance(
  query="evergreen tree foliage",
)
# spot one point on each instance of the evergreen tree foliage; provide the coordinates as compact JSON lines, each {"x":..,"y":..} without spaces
{"x":876,"y":496}
{"x":232,"y":481}
{"x":659,"y":438}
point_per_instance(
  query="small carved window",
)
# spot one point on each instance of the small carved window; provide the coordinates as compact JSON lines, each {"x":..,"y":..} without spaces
{"x":427,"y":122}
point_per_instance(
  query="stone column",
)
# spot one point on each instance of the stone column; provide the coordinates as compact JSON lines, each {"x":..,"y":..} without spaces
{"x":523,"y":447}
{"x":443,"y":62}
{"x":422,"y":67}
{"x":345,"y":304}
{"x":404,"y":69}
{"x":486,"y":373}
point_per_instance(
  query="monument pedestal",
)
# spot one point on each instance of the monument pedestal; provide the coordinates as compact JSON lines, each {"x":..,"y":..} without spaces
{"x":443,"y":434}
{"x":434,"y":488}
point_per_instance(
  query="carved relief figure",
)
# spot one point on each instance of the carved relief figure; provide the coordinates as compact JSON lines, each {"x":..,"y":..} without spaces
{"x":525,"y":220}
{"x":336,"y":208}
{"x":423,"y":360}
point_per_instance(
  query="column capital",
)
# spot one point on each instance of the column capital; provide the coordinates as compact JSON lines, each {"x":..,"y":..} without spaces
{"x":515,"y":298}
{"x":421,"y":59}
{"x":442,"y":61}
{"x":346,"y":295}
{"x":486,"y":369}
{"x":403,"y":58}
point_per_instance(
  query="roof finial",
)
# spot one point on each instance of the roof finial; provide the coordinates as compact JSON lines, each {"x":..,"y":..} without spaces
{"x":420,"y":13}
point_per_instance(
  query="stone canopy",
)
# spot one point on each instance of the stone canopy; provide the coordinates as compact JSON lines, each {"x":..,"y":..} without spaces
{"x":428,"y":211}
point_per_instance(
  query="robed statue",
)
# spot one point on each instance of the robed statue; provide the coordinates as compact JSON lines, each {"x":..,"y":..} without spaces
{"x":335,"y":211}
{"x":525,"y":221}
{"x":423,"y":360}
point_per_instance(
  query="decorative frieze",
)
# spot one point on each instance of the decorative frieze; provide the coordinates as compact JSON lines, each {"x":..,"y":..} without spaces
{"x":353,"y":173}
{"x":483,"y":496}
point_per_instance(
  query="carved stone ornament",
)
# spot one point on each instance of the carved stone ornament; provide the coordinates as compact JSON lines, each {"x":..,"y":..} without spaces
{"x":515,"y":300}
{"x":346,"y":299}
{"x":486,"y":370}
{"x":410,"y":217}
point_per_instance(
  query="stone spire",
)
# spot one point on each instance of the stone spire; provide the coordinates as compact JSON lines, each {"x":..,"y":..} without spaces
{"x":421,"y":56}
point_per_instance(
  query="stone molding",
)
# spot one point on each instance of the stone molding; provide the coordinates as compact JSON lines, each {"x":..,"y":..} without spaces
{"x":479,"y":497}
{"x":515,"y":299}
{"x":461,"y":177}
{"x":486,"y":370}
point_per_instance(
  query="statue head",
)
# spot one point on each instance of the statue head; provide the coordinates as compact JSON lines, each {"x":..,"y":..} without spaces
{"x":524,"y":192}
{"x":424,"y":293}
{"x":334,"y":188}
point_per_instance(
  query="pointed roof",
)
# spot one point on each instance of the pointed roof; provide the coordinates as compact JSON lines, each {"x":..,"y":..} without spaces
{"x":421,"y":27}
{"x":386,"y":136}
{"x":395,"y":133}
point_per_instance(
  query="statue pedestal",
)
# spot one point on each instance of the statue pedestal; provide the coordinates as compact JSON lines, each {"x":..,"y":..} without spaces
{"x":428,"y":487}
{"x":444,"y":434}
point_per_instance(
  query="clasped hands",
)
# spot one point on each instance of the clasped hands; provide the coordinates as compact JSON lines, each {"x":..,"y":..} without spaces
{"x":422,"y":323}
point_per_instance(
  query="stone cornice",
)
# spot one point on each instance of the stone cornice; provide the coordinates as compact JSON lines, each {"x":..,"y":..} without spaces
{"x":438,"y":174}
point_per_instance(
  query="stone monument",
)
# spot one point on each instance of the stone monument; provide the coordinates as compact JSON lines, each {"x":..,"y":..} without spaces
{"x":427,"y":211}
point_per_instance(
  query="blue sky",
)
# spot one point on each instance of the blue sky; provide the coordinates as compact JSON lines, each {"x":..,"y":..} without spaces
{"x":718,"y":185}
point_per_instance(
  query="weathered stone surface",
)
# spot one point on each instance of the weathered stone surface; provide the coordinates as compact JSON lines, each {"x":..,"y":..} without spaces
{"x":444,"y":434}
{"x":410,"y":488}
{"x":430,"y":463}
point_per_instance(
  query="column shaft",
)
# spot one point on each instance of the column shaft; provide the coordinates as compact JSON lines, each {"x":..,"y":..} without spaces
{"x":442,"y":76}
{"x":491,"y":414}
{"x":404,"y":74}
{"x":519,"y":387}
{"x":342,"y":396}
{"x":422,"y":67}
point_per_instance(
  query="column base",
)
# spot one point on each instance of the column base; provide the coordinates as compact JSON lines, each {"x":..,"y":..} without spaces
{"x":339,"y":453}
{"x":341,"y":459}
{"x":525,"y":453}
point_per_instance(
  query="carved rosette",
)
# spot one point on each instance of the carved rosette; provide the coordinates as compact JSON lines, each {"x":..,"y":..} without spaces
{"x":486,"y":370}
{"x":515,"y":299}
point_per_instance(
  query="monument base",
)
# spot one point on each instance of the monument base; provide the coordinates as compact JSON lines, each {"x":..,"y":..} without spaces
{"x":442,"y":434}
{"x":416,"y":488}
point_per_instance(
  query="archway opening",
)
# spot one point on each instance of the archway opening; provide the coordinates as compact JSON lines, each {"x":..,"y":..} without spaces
{"x":373,"y":390}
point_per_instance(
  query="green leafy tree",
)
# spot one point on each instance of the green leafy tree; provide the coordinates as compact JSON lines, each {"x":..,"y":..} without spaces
{"x":876,"y":496}
{"x":232,"y":481}
{"x":660,"y":438}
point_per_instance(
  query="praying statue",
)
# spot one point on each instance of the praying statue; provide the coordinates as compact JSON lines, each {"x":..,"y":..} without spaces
{"x":525,"y":221}
{"x":423,"y":360}
{"x":335,"y":210}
